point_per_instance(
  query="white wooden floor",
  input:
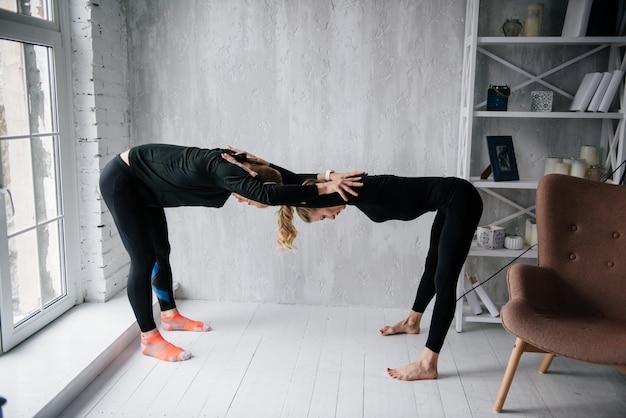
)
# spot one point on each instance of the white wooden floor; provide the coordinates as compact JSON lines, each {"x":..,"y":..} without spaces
{"x":264,"y":360}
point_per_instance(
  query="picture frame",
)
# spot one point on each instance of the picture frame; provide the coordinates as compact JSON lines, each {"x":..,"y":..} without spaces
{"x":502,"y":158}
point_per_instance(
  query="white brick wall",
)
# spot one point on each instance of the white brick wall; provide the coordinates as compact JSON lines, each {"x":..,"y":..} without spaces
{"x":100,"y":87}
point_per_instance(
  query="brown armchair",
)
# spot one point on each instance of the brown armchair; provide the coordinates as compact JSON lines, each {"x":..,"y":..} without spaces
{"x":573,"y":303}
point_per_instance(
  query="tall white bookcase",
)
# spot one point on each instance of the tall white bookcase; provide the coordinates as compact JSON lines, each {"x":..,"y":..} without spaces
{"x":552,"y":63}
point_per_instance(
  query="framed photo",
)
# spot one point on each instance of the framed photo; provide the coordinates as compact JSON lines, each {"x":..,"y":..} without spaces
{"x":502,"y":158}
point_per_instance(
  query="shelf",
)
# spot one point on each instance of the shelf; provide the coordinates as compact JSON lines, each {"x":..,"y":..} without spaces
{"x":484,"y":318}
{"x":551,"y":40}
{"x":552,"y":63}
{"x":476,"y":251}
{"x":548,"y":115}
{"x":528,"y":184}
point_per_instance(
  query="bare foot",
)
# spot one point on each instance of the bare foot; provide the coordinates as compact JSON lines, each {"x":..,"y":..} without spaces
{"x":424,"y":368}
{"x":411,"y":325}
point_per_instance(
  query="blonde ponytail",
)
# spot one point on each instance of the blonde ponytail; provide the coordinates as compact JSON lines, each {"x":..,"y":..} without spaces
{"x":287,"y":233}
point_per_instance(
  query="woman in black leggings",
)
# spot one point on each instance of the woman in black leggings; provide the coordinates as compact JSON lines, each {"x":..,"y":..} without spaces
{"x":383,"y":198}
{"x":137,"y":184}
{"x":459,"y":208}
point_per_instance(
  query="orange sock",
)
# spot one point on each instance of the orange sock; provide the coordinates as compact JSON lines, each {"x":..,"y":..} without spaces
{"x":177,"y":322}
{"x":156,"y":346}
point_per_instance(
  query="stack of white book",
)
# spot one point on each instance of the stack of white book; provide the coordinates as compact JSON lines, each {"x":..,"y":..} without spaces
{"x":597,"y":91}
{"x":588,"y":17}
{"x":577,"y":17}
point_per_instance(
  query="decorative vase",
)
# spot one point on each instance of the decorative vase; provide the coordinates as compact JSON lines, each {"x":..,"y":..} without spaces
{"x":491,"y":237}
{"x":512,"y":27}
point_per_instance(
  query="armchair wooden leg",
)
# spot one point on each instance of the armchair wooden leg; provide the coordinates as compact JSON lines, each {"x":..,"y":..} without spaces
{"x":509,"y":373}
{"x":545,"y":363}
{"x":621,"y":369}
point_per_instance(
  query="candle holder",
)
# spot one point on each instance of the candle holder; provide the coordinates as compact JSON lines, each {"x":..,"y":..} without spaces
{"x":595,"y":172}
{"x":513,"y":242}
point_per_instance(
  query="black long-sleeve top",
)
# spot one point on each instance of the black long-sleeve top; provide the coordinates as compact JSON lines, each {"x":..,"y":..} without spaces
{"x":172,"y":175}
{"x":388,"y":197}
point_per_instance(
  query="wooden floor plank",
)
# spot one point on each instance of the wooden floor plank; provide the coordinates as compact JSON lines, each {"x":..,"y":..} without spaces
{"x":302,"y":380}
{"x":215,"y":362}
{"x":383,"y":395}
{"x":350,"y":390}
{"x":327,"y":379}
{"x":267,"y":379}
{"x":300,"y":361}
{"x":134,"y":379}
{"x":108,"y":379}
{"x":201,"y":345}
{"x":452,"y":394}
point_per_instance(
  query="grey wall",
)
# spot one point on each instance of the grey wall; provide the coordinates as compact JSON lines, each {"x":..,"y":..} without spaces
{"x":310,"y":85}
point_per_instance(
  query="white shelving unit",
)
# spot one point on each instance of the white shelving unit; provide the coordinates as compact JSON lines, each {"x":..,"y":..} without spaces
{"x":496,"y":51}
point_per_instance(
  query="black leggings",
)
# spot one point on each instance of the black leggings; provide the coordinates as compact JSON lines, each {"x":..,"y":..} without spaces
{"x":143,"y":230}
{"x":460,"y":209}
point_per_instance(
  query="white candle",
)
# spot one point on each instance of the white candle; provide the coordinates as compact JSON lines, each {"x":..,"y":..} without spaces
{"x":534,"y":19}
{"x":533,"y":235}
{"x":549,"y":164}
{"x":579,"y":168}
{"x":589,"y":153}
{"x":561,"y":168}
{"x":528,"y":231}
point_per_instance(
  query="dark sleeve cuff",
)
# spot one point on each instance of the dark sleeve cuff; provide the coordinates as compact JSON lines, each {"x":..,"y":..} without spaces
{"x":324,"y":201}
{"x":292,"y":178}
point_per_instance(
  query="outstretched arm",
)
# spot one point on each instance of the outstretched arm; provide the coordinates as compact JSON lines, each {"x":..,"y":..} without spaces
{"x":263,"y":192}
{"x":290,"y":177}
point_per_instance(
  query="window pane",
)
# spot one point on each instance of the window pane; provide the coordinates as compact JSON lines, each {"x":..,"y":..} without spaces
{"x":50,"y":265}
{"x":45,"y":176}
{"x":38,"y":71}
{"x":13,"y":98}
{"x":17,"y":176}
{"x":24,"y":275}
{"x":35,"y":8}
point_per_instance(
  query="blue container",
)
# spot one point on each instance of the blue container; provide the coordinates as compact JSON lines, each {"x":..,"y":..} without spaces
{"x":498,"y":98}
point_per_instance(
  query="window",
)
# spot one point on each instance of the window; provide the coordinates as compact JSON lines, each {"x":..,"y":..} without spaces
{"x":35,"y":8}
{"x":38,"y":219}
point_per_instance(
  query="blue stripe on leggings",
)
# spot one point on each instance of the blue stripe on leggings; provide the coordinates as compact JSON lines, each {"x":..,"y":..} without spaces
{"x":161,"y":294}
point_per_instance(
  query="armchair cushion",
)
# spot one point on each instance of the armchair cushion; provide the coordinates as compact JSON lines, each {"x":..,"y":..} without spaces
{"x":537,"y":314}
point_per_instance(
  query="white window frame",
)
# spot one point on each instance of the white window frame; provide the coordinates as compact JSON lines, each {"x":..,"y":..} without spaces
{"x":53,"y":34}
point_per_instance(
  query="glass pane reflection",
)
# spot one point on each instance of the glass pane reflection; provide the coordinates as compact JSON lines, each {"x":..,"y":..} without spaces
{"x":13,"y":96}
{"x":17,"y":176}
{"x":36,"y":8}
{"x":45,"y":178}
{"x":50,"y":264}
{"x":24,"y":275}
{"x":38,"y":70}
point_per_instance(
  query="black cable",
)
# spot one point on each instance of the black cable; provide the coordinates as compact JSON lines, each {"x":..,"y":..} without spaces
{"x":621,"y":180}
{"x":496,"y":273}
